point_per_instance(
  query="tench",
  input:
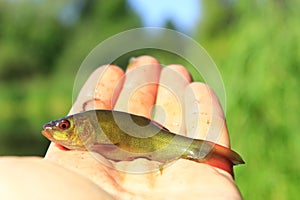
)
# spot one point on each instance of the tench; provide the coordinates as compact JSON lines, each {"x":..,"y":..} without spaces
{"x":121,"y":136}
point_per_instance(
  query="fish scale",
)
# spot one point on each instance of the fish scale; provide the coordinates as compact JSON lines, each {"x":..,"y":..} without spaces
{"x":121,"y":136}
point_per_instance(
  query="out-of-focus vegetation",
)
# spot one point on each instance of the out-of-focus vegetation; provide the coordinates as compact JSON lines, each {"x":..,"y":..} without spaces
{"x":256,"y":45}
{"x":42,"y":44}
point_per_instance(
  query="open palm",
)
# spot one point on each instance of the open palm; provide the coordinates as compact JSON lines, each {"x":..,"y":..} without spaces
{"x":180,"y":105}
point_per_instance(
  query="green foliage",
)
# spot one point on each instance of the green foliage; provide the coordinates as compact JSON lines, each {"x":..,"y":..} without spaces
{"x":31,"y":32}
{"x":259,"y":60}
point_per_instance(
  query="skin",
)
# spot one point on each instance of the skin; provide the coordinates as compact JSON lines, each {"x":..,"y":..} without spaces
{"x":78,"y":171}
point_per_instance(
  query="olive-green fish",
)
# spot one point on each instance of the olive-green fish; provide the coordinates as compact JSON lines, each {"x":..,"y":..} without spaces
{"x":120,"y":136}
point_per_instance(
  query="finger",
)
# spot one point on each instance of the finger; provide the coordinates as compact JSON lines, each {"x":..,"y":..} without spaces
{"x":204,"y":115}
{"x":100,"y":90}
{"x":205,"y":120}
{"x":140,"y":88}
{"x":43,"y":180}
{"x":169,"y":108}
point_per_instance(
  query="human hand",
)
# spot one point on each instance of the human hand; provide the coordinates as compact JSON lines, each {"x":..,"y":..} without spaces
{"x":183,"y":178}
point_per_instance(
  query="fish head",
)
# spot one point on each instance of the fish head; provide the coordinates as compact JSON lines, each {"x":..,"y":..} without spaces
{"x":63,"y":132}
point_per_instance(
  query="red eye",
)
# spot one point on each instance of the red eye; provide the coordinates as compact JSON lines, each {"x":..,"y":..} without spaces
{"x":64,"y":124}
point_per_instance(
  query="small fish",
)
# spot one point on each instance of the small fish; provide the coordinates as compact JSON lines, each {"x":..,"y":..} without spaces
{"x":121,"y":136}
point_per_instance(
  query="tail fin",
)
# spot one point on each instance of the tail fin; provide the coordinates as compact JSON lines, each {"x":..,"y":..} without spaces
{"x":214,"y":155}
{"x":229,"y":154}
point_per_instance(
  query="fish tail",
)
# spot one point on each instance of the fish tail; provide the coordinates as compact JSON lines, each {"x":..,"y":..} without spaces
{"x":229,"y":154}
{"x":213,"y":154}
{"x":202,"y":151}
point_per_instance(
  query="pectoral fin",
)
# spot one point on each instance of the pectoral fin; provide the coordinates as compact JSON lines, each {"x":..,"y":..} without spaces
{"x":112,"y":152}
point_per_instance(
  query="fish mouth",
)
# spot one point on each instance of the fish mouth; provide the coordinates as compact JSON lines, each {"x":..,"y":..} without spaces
{"x":46,"y":132}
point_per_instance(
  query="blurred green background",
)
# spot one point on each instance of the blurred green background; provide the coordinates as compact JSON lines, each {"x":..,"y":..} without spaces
{"x":255,"y":44}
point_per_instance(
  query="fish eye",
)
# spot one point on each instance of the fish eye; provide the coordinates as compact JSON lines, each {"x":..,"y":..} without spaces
{"x":64,"y":124}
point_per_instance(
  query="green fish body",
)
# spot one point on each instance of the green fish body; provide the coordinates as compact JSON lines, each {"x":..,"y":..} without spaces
{"x":120,"y":136}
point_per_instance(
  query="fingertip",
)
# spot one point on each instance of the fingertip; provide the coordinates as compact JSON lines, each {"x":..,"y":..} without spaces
{"x":101,"y":89}
{"x":204,"y":115}
{"x":182,"y":71}
{"x":140,"y":87}
{"x":142,"y":61}
{"x":108,"y":87}
{"x":170,"y":97}
{"x":207,"y":98}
